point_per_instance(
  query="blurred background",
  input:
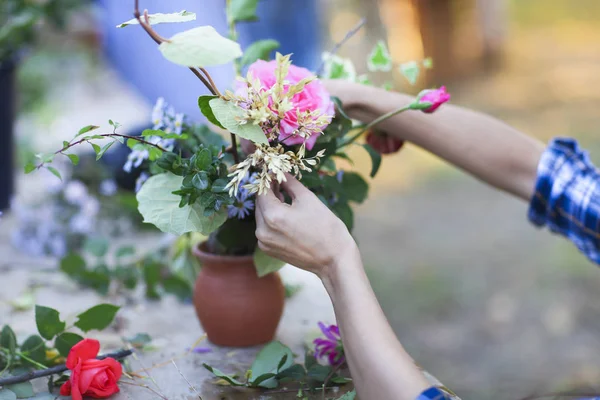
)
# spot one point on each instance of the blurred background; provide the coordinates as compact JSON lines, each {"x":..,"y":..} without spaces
{"x":491,"y":306}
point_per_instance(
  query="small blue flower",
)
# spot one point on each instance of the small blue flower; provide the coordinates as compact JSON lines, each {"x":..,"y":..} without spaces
{"x":140,"y":181}
{"x":158,"y":113}
{"x":135,"y":159}
{"x":178,"y":123}
{"x":240,"y":209}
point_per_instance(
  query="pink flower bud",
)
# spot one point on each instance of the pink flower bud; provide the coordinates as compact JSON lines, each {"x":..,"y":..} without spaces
{"x":434,"y":98}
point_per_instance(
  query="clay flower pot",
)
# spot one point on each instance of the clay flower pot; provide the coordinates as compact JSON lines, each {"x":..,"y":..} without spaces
{"x":235,"y":307}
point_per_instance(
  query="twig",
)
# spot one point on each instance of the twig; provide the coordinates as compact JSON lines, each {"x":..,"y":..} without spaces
{"x":148,"y":374}
{"x":188,"y":382}
{"x":56,"y":370}
{"x":145,"y":387}
{"x":339,"y":44}
{"x":210,"y":79}
{"x":331,"y":373}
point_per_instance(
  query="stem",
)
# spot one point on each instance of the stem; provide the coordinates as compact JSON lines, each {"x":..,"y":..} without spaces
{"x":37,"y":364}
{"x":373,"y":123}
{"x":56,"y":370}
{"x":339,"y":44}
{"x":212,"y":83}
{"x":145,"y":387}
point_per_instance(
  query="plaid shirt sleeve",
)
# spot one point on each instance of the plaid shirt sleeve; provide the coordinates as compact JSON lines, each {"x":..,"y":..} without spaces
{"x":567,"y":196}
{"x":433,"y":393}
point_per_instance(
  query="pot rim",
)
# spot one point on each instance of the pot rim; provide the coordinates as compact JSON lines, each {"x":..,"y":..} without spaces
{"x":203,"y":255}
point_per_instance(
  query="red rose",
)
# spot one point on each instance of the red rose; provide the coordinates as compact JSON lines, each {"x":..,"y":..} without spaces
{"x":90,"y":377}
{"x":383,"y":143}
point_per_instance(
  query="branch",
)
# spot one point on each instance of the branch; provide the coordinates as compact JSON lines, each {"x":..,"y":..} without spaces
{"x":339,"y":44}
{"x":56,"y":370}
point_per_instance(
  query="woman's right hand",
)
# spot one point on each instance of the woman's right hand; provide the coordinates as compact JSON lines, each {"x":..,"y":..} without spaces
{"x":305,"y":234}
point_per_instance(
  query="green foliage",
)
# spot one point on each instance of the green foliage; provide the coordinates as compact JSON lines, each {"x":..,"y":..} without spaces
{"x":65,"y":341}
{"x":241,"y":10}
{"x":355,"y":188}
{"x":203,"y":104}
{"x":380,"y":58}
{"x":229,"y":114}
{"x":200,"y":47}
{"x":7,"y":394}
{"x":8,"y":340}
{"x":97,"y":317}
{"x":375,"y":159}
{"x":97,"y":246}
{"x":86,"y":129}
{"x":410,"y":70}
{"x":34,"y":349}
{"x":266,"y":264}
{"x":159,"y":18}
{"x":272,"y":359}
{"x":259,"y":50}
{"x":349,"y":396}
{"x":48,"y":322}
{"x":218,"y":373}
{"x":22,"y":390}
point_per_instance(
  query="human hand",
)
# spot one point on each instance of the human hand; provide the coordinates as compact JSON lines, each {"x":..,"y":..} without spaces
{"x":305,"y":234}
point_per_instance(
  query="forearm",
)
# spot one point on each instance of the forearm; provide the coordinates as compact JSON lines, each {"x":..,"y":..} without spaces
{"x":479,"y":144}
{"x":380,"y":367}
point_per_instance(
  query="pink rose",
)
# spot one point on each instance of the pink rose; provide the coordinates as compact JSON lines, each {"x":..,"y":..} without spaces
{"x":313,"y":97}
{"x":436,"y":97}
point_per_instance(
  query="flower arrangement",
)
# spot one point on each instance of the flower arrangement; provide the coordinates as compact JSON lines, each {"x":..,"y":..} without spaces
{"x":287,"y":123}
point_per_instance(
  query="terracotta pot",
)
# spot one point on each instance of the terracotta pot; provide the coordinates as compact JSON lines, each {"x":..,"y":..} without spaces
{"x":236,"y":307}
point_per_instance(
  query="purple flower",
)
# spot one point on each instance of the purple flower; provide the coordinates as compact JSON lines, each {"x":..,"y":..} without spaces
{"x":201,"y":350}
{"x":331,"y":346}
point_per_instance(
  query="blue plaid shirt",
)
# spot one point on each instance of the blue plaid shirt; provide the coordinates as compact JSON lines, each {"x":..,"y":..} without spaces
{"x":567,"y":196}
{"x":433,"y":393}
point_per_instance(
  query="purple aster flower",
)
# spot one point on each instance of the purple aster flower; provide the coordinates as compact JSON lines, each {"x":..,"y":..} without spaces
{"x":240,"y":209}
{"x":331,"y":346}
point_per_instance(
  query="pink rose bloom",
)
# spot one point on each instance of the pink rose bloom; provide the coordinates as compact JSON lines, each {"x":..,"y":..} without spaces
{"x":436,"y":97}
{"x":313,"y":97}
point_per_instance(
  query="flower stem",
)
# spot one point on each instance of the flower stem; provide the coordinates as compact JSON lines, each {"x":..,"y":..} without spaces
{"x":56,"y":370}
{"x":37,"y":364}
{"x":373,"y":123}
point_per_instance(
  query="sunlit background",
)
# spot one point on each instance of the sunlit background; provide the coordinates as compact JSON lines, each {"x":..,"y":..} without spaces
{"x":493,"y":307}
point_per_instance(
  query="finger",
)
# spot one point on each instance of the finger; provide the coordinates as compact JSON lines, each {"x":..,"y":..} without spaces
{"x":293,"y":187}
{"x":278,"y":193}
{"x":267,"y":199}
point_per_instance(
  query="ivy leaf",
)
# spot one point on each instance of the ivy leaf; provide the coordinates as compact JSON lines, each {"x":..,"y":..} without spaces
{"x":55,"y":172}
{"x":375,"y":159}
{"x":242,"y":10}
{"x":65,"y":341}
{"x":6,"y":394}
{"x":380,"y":59}
{"x":48,"y":322}
{"x":355,"y":187}
{"x":410,"y":70}
{"x":97,"y":246}
{"x":230,"y":379}
{"x":22,"y":390}
{"x":259,"y":50}
{"x":226,"y":112}
{"x":269,"y":361}
{"x":35,"y":348}
{"x":338,"y":68}
{"x":29,"y":168}
{"x":74,"y":158}
{"x":203,"y":103}
{"x":200,"y":47}
{"x":160,"y":18}
{"x":160,"y":207}
{"x":428,"y":63}
{"x":8,"y":340}
{"x":266,"y":264}
{"x":87,"y":129}
{"x":72,"y":264}
{"x":97,"y":317}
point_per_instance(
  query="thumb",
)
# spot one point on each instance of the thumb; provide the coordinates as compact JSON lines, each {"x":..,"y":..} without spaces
{"x":268,"y":199}
{"x":293,"y":187}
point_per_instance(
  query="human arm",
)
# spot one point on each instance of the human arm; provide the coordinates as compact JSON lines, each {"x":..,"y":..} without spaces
{"x":483,"y":146}
{"x":308,"y":235}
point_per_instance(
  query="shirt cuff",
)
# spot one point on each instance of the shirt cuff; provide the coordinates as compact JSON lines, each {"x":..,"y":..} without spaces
{"x":556,"y":161}
{"x":433,"y":393}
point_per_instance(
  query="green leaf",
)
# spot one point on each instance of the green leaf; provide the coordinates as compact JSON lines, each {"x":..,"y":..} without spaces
{"x":345,"y":213}
{"x":48,"y":322}
{"x":97,"y":317}
{"x":139,"y":340}
{"x":380,"y":59}
{"x":160,"y":207}
{"x":6,"y":394}
{"x":227,"y":112}
{"x":178,"y":287}
{"x":96,"y":245}
{"x":203,"y":159}
{"x":200,"y":47}
{"x":34,"y":348}
{"x":375,"y":159}
{"x":153,"y":132}
{"x":29,"y":168}
{"x":355,"y":187}
{"x":72,"y":264}
{"x":200,"y":181}
{"x":266,"y":381}
{"x":97,"y":149}
{"x":428,"y":63}
{"x":203,"y":103}
{"x":100,"y":153}
{"x":219,"y":185}
{"x":269,"y":361}
{"x":266,"y":264}
{"x":74,"y":158}
{"x":340,"y":380}
{"x":127,"y":275}
{"x":410,"y":70}
{"x":125,"y":251}
{"x":65,"y":341}
{"x":242,"y":10}
{"x":160,"y":18}
{"x":86,"y":129}
{"x":54,"y":172}
{"x":319,"y":372}
{"x":151,"y":278}
{"x":296,"y":372}
{"x":230,"y":379}
{"x":8,"y":340}
{"x":338,"y":68}
{"x":23,"y":390}
{"x":259,"y":50}
{"x":349,"y":396}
